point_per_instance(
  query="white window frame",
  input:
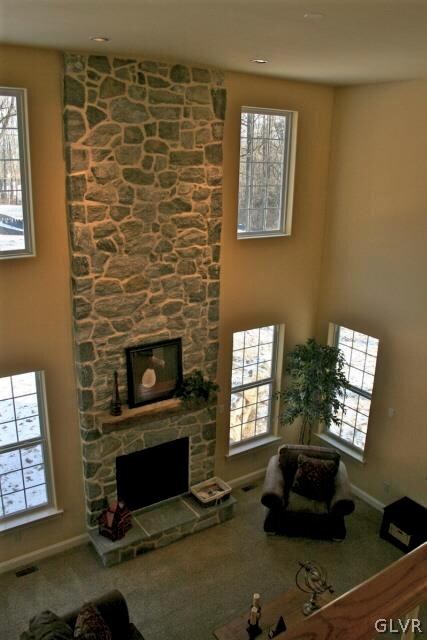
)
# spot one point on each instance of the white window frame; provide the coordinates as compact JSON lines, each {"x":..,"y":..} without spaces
{"x":287,"y":193}
{"x":25,"y":170}
{"x":274,"y":380}
{"x":342,"y":443}
{"x":49,"y":507}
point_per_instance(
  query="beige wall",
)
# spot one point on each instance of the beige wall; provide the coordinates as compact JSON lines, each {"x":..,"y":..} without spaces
{"x":272,"y":280}
{"x":262,"y":281}
{"x":35,"y":312}
{"x":373,"y":274}
{"x":374,"y":269}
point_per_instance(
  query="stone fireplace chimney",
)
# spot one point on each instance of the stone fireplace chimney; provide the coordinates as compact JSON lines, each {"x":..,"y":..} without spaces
{"x":143,"y":144}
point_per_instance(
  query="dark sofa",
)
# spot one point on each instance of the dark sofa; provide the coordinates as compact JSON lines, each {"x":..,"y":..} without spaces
{"x":112,"y":607}
{"x":292,"y":514}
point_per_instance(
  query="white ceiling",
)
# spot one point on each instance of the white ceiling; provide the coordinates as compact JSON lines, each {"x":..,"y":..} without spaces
{"x":356,"y":41}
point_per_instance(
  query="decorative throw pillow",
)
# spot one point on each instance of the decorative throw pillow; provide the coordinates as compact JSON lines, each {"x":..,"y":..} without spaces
{"x":47,"y":626}
{"x":90,"y":625}
{"x":314,"y":477}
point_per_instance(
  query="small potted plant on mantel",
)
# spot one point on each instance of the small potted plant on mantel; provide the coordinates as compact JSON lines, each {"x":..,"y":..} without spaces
{"x":316,"y":382}
{"x":196,"y":390}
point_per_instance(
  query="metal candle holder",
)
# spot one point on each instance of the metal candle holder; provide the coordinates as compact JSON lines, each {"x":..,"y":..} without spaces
{"x":115,"y":405}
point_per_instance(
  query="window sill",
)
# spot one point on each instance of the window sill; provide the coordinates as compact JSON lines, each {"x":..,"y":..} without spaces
{"x":247,"y":447}
{"x":26,"y":519}
{"x":257,"y":236}
{"x":341,"y":447}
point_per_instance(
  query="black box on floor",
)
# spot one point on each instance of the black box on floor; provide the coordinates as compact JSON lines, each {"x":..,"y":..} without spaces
{"x":404,"y":524}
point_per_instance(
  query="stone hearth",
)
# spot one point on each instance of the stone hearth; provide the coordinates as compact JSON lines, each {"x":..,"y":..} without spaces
{"x":159,"y":525}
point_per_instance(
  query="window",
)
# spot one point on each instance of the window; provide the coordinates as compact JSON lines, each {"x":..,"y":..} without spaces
{"x":267,"y":160}
{"x":24,"y":452}
{"x":252,"y":379}
{"x":360,"y":354}
{"x":16,"y":221}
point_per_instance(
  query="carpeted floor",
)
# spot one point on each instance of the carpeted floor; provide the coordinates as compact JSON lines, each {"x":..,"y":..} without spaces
{"x":184,"y":591}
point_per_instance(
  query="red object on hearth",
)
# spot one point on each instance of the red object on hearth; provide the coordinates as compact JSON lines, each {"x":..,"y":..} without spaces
{"x":115,"y":521}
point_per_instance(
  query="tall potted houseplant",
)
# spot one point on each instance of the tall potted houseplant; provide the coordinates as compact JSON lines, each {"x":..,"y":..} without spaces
{"x":316,"y":383}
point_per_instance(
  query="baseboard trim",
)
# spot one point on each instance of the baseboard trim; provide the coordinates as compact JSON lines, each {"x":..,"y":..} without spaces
{"x":45,"y":552}
{"x":70,"y":543}
{"x":366,"y":497}
{"x":236,"y":483}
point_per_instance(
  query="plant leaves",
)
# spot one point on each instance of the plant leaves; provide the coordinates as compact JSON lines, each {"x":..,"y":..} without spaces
{"x":315,"y":383}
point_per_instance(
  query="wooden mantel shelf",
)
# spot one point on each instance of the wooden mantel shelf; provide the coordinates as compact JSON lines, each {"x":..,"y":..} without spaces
{"x":108,"y":423}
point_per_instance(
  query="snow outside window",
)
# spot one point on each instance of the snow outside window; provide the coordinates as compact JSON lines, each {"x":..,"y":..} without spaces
{"x":24,"y":451}
{"x":16,"y":219}
{"x":360,"y":353}
{"x":252,"y":376}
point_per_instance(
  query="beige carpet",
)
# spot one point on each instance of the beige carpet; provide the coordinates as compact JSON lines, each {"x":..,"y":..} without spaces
{"x":184,"y":591}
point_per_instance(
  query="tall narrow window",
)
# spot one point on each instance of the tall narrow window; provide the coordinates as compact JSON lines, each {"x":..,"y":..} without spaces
{"x":252,"y":379}
{"x":24,"y":453}
{"x":360,"y":353}
{"x":267,"y":162}
{"x":16,"y":221}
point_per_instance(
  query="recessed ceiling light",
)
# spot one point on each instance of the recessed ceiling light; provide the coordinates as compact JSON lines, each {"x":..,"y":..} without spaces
{"x":314,"y":17}
{"x":260,"y":61}
{"x":100,"y":39}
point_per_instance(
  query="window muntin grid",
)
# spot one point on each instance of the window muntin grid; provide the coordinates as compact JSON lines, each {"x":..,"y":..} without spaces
{"x":253,"y":368}
{"x":360,"y":354}
{"x":264,"y":175}
{"x":16,"y":228}
{"x":23,"y":457}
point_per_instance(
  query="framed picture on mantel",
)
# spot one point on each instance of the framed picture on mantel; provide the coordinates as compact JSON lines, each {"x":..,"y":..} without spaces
{"x":154,"y":371}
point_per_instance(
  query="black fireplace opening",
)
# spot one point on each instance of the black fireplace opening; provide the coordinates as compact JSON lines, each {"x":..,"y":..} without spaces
{"x":154,"y":474}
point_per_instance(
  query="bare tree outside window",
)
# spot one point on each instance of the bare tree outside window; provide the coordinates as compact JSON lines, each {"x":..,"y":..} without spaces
{"x":267,"y":150}
{"x":15,"y":201}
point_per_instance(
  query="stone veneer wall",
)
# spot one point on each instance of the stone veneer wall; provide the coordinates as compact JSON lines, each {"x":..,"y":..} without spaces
{"x":143,"y":144}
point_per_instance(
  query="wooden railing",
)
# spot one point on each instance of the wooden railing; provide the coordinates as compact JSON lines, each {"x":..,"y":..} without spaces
{"x":394,"y":593}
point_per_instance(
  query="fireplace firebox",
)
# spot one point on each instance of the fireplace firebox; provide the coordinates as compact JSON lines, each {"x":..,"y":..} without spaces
{"x":154,"y":474}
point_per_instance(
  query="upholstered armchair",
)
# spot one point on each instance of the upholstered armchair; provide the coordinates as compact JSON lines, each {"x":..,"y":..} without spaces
{"x":307,"y":492}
